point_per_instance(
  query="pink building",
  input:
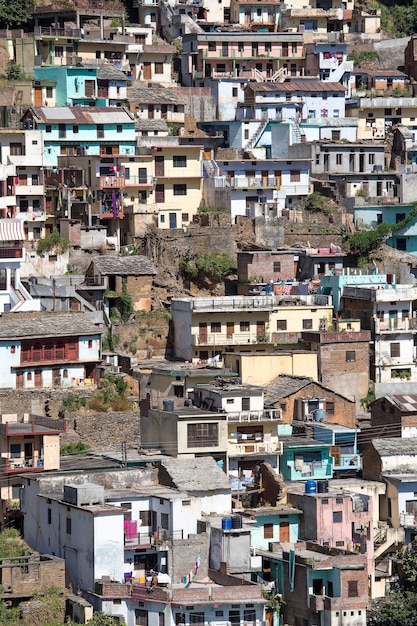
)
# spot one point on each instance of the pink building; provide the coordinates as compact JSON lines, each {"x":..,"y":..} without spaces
{"x":245,"y":55}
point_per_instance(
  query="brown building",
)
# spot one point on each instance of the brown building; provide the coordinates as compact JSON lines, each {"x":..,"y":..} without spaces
{"x":342,"y":357}
{"x":394,"y":416}
{"x":21,"y":577}
{"x":265,"y":266}
{"x":301,"y":398}
{"x":410,"y":58}
{"x":132,"y":275}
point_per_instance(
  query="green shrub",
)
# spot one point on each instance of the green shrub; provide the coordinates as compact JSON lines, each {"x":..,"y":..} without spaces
{"x":211,"y":265}
{"x":74,"y":448}
{"x":316,"y":203}
{"x":53,"y":242}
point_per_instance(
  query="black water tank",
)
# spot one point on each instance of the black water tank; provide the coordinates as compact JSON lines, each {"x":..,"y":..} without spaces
{"x":237,"y":521}
{"x":322,"y":486}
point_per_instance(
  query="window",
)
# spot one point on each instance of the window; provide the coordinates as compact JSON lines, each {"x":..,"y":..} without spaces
{"x":339,"y":500}
{"x":281,"y":324}
{"x":335,"y":135}
{"x":15,"y":450}
{"x":180,"y":190}
{"x":62,"y":131}
{"x":212,"y":46}
{"x":399,"y":217}
{"x":330,"y":408}
{"x":353,"y":588}
{"x":49,"y":516}
{"x":307,"y":324}
{"x":100,"y":131}
{"x":216,"y":327}
{"x":75,"y":130}
{"x":29,"y":376}
{"x":401,"y":243}
{"x":12,"y":349}
{"x":350,"y":356}
{"x":197,"y":618}
{"x":295,"y":176}
{"x":119,"y":128}
{"x":371,"y":159}
{"x":145,"y":518}
{"x":48,"y":128}
{"x":205,"y":435}
{"x":90,"y":343}
{"x":179,"y":161}
{"x":234,"y":92}
{"x":337,"y":517}
{"x":244,"y":327}
{"x":338,"y":158}
{"x":161,"y":619}
{"x":268,"y":531}
{"x":141,"y":617}
{"x":340,"y":544}
{"x":159,"y":68}
{"x":277,"y":266}
{"x":164,"y":521}
{"x":395,"y":349}
{"x":64,"y":373}
{"x":59,"y":51}
{"x":68,"y":526}
{"x":185,"y":217}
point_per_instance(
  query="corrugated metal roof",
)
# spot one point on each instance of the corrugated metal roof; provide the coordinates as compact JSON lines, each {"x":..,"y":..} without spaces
{"x":298,"y":85}
{"x":82,"y":115}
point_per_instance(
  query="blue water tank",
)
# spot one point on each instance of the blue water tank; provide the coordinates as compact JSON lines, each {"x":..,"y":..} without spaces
{"x":311,"y":486}
{"x":168,"y":405}
{"x":319,"y":415}
{"x":227,"y":523}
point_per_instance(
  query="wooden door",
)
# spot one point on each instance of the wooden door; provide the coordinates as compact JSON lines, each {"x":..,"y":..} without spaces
{"x":159,"y":166}
{"x":37,"y":97}
{"x":264,"y":176}
{"x":38,"y":378}
{"x":284,"y":531}
{"x":277,"y":175}
{"x":160,"y":194}
{"x":260,"y":330}
{"x":147,"y":71}
{"x":89,"y":88}
{"x":202,"y":332}
{"x":151,"y":112}
{"x":19,"y":380}
{"x":230,"y":329}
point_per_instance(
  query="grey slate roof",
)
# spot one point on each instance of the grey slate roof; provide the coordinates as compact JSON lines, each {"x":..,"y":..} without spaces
{"x":395,"y":446}
{"x":124,"y":266}
{"x":110,"y":72}
{"x":154,"y":95}
{"x":151,"y":125}
{"x":73,"y":324}
{"x":284,"y":386}
{"x":202,"y":474}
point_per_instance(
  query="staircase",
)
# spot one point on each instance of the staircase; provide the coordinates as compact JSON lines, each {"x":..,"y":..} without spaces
{"x":210,"y":168}
{"x":297,"y":132}
{"x":279,"y":76}
{"x":258,"y":132}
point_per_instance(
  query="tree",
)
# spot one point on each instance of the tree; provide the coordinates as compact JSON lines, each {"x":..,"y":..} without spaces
{"x":14,"y":71}
{"x":212,"y":265}
{"x":14,"y":13}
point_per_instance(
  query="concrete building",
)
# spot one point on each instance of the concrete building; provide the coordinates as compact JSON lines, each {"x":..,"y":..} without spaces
{"x":387,"y":313}
{"x":260,"y":368}
{"x":205,"y":327}
{"x":394,"y":415}
{"x":404,"y":239}
{"x":377,"y":115}
{"x":49,"y":349}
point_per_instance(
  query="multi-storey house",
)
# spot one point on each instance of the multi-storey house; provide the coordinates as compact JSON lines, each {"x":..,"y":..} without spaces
{"x":205,"y":327}
{"x":258,"y":188}
{"x":376,"y":115}
{"x":256,"y":15}
{"x":404,"y":239}
{"x":48,"y":349}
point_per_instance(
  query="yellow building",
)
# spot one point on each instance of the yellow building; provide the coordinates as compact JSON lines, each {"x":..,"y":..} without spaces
{"x":259,"y":368}
{"x":28,"y":444}
{"x":204,"y":328}
{"x":377,"y":115}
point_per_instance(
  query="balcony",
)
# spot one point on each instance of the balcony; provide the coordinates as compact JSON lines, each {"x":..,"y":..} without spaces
{"x":29,"y":190}
{"x":110,"y":214}
{"x":408,"y":520}
{"x":158,"y":538}
{"x":11,"y":252}
{"x":347,"y":462}
{"x":270,"y":182}
{"x":19,"y":465}
{"x":395,"y":325}
{"x":316,"y":603}
{"x":246,"y":417}
{"x":36,"y":216}
{"x":253,"y":447}
{"x":109,"y":182}
{"x":50,"y":31}
{"x":38,"y":426}
{"x":223,"y":339}
{"x":140,"y":181}
{"x":387,"y":294}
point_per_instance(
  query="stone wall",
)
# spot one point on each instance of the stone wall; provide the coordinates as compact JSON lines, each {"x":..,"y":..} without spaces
{"x":184,"y":553}
{"x":103,"y":430}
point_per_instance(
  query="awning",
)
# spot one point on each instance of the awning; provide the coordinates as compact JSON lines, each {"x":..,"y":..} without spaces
{"x":12,"y":230}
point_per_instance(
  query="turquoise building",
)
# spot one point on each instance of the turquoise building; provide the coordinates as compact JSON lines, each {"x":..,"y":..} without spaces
{"x":277,"y":523}
{"x":304,"y":459}
{"x":404,"y":239}
{"x":332,"y":284}
{"x":72,"y":85}
{"x":106,"y":132}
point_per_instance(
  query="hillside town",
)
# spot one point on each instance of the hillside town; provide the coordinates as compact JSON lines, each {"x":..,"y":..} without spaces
{"x":208,"y":314}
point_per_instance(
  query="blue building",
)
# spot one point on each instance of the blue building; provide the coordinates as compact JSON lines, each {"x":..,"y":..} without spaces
{"x":304,"y":459}
{"x":344,"y":446}
{"x":404,"y":239}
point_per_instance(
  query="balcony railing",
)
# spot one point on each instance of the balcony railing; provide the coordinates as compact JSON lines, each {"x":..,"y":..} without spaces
{"x":408,"y":520}
{"x":24,"y":464}
{"x":116,"y":182}
{"x":223,"y":339}
{"x":157,"y":538}
{"x":267,"y":415}
{"x":49,"y":31}
{"x":253,"y":447}
{"x":11,"y":252}
{"x":395,"y":324}
{"x":255,"y":183}
{"x":139,"y":181}
{"x":108,"y":214}
{"x":38,"y":426}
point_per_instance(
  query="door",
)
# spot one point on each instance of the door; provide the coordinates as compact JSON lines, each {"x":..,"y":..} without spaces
{"x":151,"y":112}
{"x":160,"y":194}
{"x":89,"y":88}
{"x":230,"y":329}
{"x":284,"y":531}
{"x":173,"y":220}
{"x":147,"y":71}
{"x":264,"y":175}
{"x":260,"y":331}
{"x":37,"y":97}
{"x":159,"y":166}
{"x":38,"y":378}
{"x":277,"y":175}
{"x":28,"y":454}
{"x":202,"y":332}
{"x":154,"y":522}
{"x":19,"y":380}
